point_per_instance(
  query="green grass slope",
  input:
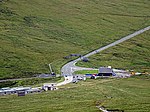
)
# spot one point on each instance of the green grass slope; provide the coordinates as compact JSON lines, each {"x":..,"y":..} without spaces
{"x":130,"y":95}
{"x":34,"y":33}
{"x":134,"y":54}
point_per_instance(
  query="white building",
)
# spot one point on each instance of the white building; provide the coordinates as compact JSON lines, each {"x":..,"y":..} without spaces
{"x":49,"y":86}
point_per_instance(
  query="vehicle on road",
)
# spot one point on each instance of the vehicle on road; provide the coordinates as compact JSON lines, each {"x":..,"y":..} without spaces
{"x":94,"y":76}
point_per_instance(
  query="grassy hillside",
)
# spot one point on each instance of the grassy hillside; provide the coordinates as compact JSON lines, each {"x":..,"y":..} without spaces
{"x":34,"y":82}
{"x":34,"y":33}
{"x":130,"y":95}
{"x":86,"y":72}
{"x":133,"y":54}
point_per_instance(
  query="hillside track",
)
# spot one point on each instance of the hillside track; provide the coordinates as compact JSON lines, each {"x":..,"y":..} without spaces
{"x":69,"y":68}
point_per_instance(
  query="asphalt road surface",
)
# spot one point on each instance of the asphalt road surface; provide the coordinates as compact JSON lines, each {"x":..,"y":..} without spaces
{"x":69,"y":68}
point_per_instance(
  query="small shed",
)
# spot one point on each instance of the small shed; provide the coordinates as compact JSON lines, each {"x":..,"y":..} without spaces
{"x":21,"y":93}
{"x":106,"y":72}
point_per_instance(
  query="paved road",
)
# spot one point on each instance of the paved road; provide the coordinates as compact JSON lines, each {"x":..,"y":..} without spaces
{"x":70,"y":67}
{"x":67,"y":80}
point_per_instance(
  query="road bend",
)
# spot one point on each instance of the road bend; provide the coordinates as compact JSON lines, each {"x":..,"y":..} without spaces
{"x":69,"y":68}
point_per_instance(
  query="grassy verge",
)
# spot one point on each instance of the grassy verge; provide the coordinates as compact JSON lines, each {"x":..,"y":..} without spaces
{"x":86,"y":72}
{"x":124,"y":94}
{"x":29,"y":82}
{"x":38,"y":32}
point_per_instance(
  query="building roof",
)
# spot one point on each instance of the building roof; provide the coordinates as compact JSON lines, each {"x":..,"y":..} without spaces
{"x":22,"y":88}
{"x":6,"y":88}
{"x":33,"y":90}
{"x":105,"y":70}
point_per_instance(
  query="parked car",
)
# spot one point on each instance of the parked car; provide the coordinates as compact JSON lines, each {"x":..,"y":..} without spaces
{"x":94,"y":76}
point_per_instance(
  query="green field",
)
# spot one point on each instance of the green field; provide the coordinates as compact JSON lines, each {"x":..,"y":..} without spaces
{"x":34,"y":33}
{"x":133,"y":54}
{"x":130,"y":95}
{"x":34,"y":82}
{"x":86,"y":72}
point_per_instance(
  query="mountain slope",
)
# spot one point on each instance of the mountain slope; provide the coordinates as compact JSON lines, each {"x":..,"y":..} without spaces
{"x":132,"y":55}
{"x":34,"y":33}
